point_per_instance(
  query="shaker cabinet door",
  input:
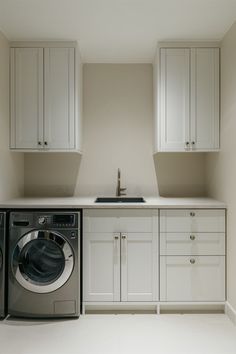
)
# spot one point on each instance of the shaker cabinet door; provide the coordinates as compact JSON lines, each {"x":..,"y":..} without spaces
{"x":205,"y":98}
{"x":101,"y":271}
{"x":26,"y":98}
{"x":139,"y":268}
{"x":59,"y":105}
{"x":174,"y":99}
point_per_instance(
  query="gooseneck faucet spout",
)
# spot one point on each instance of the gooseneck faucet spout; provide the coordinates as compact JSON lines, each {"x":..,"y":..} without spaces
{"x":119,"y":191}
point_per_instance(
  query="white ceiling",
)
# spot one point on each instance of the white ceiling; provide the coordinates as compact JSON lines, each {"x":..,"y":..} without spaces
{"x":116,"y":30}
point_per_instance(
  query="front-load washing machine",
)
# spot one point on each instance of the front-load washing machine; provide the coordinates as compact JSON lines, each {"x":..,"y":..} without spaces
{"x":44,"y":264}
{"x":2,"y":264}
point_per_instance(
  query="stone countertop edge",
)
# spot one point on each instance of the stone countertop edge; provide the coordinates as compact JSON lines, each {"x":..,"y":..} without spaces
{"x":89,"y":202}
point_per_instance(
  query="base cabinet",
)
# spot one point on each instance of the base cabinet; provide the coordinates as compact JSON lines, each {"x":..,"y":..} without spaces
{"x":192,"y":278}
{"x":123,"y":266}
{"x":120,"y":266}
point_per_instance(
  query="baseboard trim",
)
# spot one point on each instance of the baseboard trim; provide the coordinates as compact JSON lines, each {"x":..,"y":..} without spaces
{"x":155,"y":307}
{"x":230,"y":312}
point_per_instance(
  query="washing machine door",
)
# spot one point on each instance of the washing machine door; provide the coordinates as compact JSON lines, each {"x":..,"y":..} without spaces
{"x":42,"y":261}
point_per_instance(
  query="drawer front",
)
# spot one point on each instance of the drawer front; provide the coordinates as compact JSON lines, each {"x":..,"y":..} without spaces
{"x":95,"y":220}
{"x":138,"y":220}
{"x":179,"y":244}
{"x":120,"y":220}
{"x":192,"y":220}
{"x":194,"y":278}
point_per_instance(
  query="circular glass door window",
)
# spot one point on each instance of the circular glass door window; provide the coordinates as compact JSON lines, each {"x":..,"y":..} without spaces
{"x":42,"y":261}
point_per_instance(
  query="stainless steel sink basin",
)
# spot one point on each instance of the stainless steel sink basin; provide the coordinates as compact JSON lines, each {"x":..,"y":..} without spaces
{"x":120,"y":200}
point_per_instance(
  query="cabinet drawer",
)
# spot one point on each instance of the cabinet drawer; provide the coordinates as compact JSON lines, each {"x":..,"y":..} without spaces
{"x":192,"y":278}
{"x":192,"y":220}
{"x":138,"y":220}
{"x":117,"y":220}
{"x":192,"y":244}
{"x":95,"y":220}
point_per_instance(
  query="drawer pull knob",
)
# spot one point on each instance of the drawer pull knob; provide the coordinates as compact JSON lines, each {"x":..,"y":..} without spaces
{"x":116,"y":237}
{"x":192,"y":213}
{"x":123,"y":237}
{"x":192,"y":237}
{"x":192,"y":261}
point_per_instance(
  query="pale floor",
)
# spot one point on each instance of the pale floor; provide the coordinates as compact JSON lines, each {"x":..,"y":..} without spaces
{"x":113,"y":334}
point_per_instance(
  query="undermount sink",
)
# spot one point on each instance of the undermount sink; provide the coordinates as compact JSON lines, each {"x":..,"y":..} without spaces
{"x":120,"y":200}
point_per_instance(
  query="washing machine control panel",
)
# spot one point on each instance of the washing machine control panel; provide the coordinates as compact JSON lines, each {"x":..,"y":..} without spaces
{"x":63,"y":220}
{"x":57,"y":220}
{"x":45,"y":219}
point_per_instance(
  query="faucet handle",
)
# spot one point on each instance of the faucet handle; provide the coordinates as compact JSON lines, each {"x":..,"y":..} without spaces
{"x":119,"y":190}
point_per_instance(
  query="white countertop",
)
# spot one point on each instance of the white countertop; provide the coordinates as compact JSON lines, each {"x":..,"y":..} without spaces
{"x":88,"y":202}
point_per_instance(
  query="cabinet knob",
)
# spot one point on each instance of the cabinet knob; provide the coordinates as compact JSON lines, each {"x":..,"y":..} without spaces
{"x":46,"y":143}
{"x":123,"y":237}
{"x":116,"y":237}
{"x":192,"y":261}
{"x":187,"y":143}
{"x":192,"y":237}
{"x":192,"y":213}
{"x":39,"y":143}
{"x":193,"y":142}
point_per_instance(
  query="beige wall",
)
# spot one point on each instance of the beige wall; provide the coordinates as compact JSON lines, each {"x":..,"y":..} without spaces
{"x":11,"y":164}
{"x":181,"y":174}
{"x":221,"y":167}
{"x":118,"y":131}
{"x":51,"y":174}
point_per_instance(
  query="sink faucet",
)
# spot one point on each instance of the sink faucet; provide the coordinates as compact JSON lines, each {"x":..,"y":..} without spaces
{"x":119,"y":191}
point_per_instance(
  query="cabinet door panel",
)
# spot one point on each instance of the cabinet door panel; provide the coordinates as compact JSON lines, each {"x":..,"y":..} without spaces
{"x":205,"y":98}
{"x":174,"y":99}
{"x":139,"y":268}
{"x":26,"y":98}
{"x":59,"y":86}
{"x":101,"y":271}
{"x":201,"y":280}
{"x":205,"y":243}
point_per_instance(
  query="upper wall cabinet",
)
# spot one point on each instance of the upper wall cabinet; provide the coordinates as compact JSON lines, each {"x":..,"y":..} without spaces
{"x":45,"y":98}
{"x":186,"y":96}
